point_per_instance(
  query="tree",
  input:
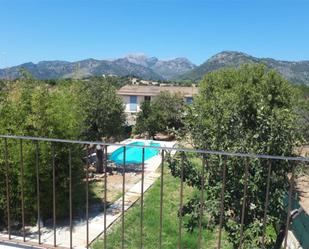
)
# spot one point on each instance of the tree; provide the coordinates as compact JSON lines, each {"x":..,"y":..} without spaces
{"x":67,"y":109}
{"x":104,"y":110}
{"x":249,"y":110}
{"x":148,"y":120}
{"x":31,"y":108}
{"x":163,"y":114}
{"x":303,"y":109}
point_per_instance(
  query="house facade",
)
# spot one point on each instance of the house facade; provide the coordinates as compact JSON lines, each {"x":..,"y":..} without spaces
{"x":134,"y":95}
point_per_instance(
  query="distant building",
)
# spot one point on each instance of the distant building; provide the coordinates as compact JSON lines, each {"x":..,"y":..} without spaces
{"x":134,"y":95}
{"x":109,"y":75}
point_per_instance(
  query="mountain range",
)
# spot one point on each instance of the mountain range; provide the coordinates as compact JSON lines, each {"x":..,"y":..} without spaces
{"x":294,"y":71}
{"x":151,"y":68}
{"x":141,"y":66}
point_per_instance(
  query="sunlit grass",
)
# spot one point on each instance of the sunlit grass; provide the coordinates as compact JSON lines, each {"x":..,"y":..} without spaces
{"x":152,"y":222}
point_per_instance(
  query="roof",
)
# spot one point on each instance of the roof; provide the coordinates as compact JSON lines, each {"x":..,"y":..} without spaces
{"x":155,"y":90}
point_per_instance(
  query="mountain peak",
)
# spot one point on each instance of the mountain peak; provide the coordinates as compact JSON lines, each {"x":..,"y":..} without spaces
{"x":52,"y":62}
{"x":182,"y":59}
{"x":168,"y":69}
{"x":137,"y":64}
{"x":228,"y":55}
{"x":141,"y":59}
{"x":294,"y":72}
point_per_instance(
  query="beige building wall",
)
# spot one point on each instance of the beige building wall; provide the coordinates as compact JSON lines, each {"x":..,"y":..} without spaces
{"x":140,"y":92}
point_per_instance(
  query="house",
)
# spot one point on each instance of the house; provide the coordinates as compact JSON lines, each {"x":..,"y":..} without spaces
{"x":134,"y":95}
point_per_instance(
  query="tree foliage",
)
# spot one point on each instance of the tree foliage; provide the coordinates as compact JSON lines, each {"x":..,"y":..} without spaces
{"x":165,"y":112}
{"x":104,"y":110}
{"x":303,"y":109}
{"x":33,"y":109}
{"x":68,"y":109}
{"x":249,"y":110}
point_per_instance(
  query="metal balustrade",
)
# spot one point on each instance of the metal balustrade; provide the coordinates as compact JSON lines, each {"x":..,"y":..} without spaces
{"x":68,"y":143}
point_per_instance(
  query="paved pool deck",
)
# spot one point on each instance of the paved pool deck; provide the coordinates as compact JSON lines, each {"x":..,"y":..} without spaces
{"x":96,"y":223}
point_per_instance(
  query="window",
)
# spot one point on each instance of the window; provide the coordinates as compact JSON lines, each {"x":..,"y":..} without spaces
{"x":147,"y":98}
{"x":133,"y":103}
{"x":189,"y":100}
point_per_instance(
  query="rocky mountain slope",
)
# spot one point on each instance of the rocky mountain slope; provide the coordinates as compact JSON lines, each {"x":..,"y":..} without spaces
{"x":141,"y":66}
{"x":296,"y":72}
{"x":151,"y":68}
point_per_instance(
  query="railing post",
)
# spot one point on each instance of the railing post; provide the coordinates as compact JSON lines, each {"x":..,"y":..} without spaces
{"x":142,"y":197}
{"x":38,"y":188}
{"x":161,"y":200}
{"x":288,"y":219}
{"x":181,"y":200}
{"x":54,"y":193}
{"x":7,"y":183}
{"x":22,"y":189}
{"x":123,"y":195}
{"x":222,"y":201}
{"x":70,"y":197}
{"x":266,"y":202}
{"x":87,"y":197}
{"x":244,"y":203}
{"x":105,"y":196}
{"x":204,"y":164}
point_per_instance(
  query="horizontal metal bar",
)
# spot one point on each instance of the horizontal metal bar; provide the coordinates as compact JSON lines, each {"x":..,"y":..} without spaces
{"x":209,"y":152}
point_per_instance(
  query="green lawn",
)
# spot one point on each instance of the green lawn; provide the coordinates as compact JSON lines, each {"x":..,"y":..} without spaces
{"x":152,"y":222}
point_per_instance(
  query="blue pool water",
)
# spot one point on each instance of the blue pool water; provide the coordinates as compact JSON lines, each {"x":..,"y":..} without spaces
{"x":134,"y":154}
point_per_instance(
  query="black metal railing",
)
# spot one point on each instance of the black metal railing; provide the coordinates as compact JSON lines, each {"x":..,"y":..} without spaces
{"x":68,"y":143}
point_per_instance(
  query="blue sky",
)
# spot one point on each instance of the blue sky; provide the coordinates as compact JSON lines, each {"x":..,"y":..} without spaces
{"x":35,"y":30}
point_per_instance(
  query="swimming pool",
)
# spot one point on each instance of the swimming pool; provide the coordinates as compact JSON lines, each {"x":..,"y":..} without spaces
{"x":134,"y":154}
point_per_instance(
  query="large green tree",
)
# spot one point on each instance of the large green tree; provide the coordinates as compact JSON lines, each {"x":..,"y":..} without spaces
{"x":31,"y":108}
{"x":104,"y":110}
{"x":67,"y":109}
{"x":248,"y":110}
{"x":162,"y":114}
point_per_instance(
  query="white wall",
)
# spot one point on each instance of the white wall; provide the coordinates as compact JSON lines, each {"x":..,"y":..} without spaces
{"x":126,"y":101}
